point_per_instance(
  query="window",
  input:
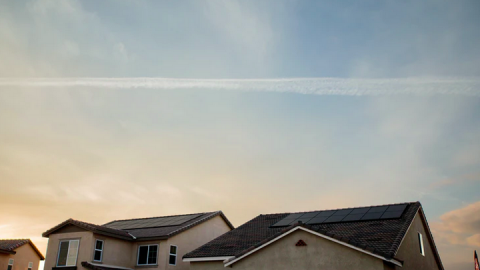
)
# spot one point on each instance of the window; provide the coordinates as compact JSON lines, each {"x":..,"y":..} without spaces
{"x":172,"y":260}
{"x":10,"y":264}
{"x":67,"y":253}
{"x":420,"y":242}
{"x":147,"y":255}
{"x":98,"y":253}
{"x":30,"y":265}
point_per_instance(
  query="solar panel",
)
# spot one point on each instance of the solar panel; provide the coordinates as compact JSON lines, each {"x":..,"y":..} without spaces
{"x":326,"y":213}
{"x":302,"y":219}
{"x":287,"y":220}
{"x":310,"y":215}
{"x":342,"y":212}
{"x":362,"y":210}
{"x":353,"y":217}
{"x":377,"y":209}
{"x":152,"y":222}
{"x":334,"y":219}
{"x":372,"y":216}
{"x":283,"y":222}
{"x":394,"y":214}
{"x":344,"y":215}
{"x":400,"y":207}
{"x":317,"y":220}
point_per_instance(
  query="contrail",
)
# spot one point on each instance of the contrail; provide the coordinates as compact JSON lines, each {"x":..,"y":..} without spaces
{"x":311,"y":86}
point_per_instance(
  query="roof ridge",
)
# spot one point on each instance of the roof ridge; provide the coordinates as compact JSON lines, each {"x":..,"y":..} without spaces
{"x":128,"y":219}
{"x":390,"y":204}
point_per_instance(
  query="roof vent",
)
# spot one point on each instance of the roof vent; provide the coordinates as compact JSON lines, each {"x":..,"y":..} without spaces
{"x":301,"y":243}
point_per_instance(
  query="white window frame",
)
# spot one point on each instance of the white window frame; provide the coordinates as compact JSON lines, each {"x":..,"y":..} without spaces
{"x":148,"y":252}
{"x":101,"y":250}
{"x":68,"y":253}
{"x":171,"y":254}
{"x":30,"y":265}
{"x":420,"y":241}
{"x":10,"y":264}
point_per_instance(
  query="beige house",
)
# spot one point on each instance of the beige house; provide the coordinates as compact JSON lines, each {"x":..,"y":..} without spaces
{"x":19,"y":254}
{"x":384,"y":237}
{"x":142,"y":244}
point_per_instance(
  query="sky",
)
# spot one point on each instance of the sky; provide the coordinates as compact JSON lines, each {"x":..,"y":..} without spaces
{"x":123,"y":109}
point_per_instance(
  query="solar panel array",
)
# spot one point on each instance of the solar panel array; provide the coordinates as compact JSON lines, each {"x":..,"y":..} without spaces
{"x":344,"y":215}
{"x":151,"y":222}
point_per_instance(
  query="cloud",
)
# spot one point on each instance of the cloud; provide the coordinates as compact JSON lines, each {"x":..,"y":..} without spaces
{"x":314,"y":86}
{"x":463,"y":220}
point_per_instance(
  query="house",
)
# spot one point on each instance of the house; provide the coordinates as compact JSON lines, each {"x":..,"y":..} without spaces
{"x":19,"y":254}
{"x":394,"y":236}
{"x":147,"y":243}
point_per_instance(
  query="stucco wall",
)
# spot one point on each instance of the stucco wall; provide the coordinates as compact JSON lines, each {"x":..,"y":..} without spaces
{"x":318,"y":254}
{"x":115,"y":251}
{"x":24,"y":255}
{"x":85,"y":248}
{"x":194,"y":238}
{"x":409,"y":251}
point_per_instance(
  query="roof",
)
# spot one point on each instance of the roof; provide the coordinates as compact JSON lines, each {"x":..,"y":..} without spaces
{"x":144,"y":230}
{"x":9,"y":246}
{"x":96,"y":266}
{"x":382,"y":237}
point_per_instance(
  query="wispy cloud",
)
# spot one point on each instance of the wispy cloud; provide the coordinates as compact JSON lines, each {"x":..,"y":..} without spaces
{"x":314,"y":86}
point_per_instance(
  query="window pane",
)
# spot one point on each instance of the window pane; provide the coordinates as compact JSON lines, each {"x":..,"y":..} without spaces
{"x":152,"y":255}
{"x":172,"y":260}
{"x":142,"y":255}
{"x":173,"y":250}
{"x":62,"y":254}
{"x":72,"y":253}
{"x":99,"y":245}
{"x":97,"y":256}
{"x":30,"y":264}
{"x":9,"y":267}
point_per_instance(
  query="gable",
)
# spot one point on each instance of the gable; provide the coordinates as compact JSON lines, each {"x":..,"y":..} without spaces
{"x":317,"y":253}
{"x":320,"y":235}
{"x":409,"y":250}
{"x":69,"y":229}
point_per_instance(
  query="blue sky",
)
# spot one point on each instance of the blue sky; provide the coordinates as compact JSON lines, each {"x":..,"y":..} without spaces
{"x":146,"y":151}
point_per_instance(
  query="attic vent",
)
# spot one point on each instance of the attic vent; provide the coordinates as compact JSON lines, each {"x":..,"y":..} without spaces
{"x":301,"y":243}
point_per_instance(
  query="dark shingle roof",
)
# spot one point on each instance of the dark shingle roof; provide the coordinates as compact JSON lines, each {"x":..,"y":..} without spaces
{"x":9,"y":246}
{"x":143,"y":232}
{"x":90,"y":227}
{"x":382,"y":237}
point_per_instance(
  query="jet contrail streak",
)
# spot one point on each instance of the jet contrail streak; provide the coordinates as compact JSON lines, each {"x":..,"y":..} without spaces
{"x":312,"y":86}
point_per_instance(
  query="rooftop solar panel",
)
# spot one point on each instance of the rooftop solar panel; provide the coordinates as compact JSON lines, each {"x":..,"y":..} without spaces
{"x":334,"y":219}
{"x":393,"y":214}
{"x":377,"y":209}
{"x":152,"y":222}
{"x":310,"y":215}
{"x":372,"y":216}
{"x":400,"y":207}
{"x":344,"y":215}
{"x":342,"y":212}
{"x":283,"y":222}
{"x":353,"y":217}
{"x":362,"y":210}
{"x":317,"y":220}
{"x":326,"y":213}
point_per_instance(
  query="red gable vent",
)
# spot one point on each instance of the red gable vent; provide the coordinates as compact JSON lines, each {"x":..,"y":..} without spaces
{"x":300,"y":243}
